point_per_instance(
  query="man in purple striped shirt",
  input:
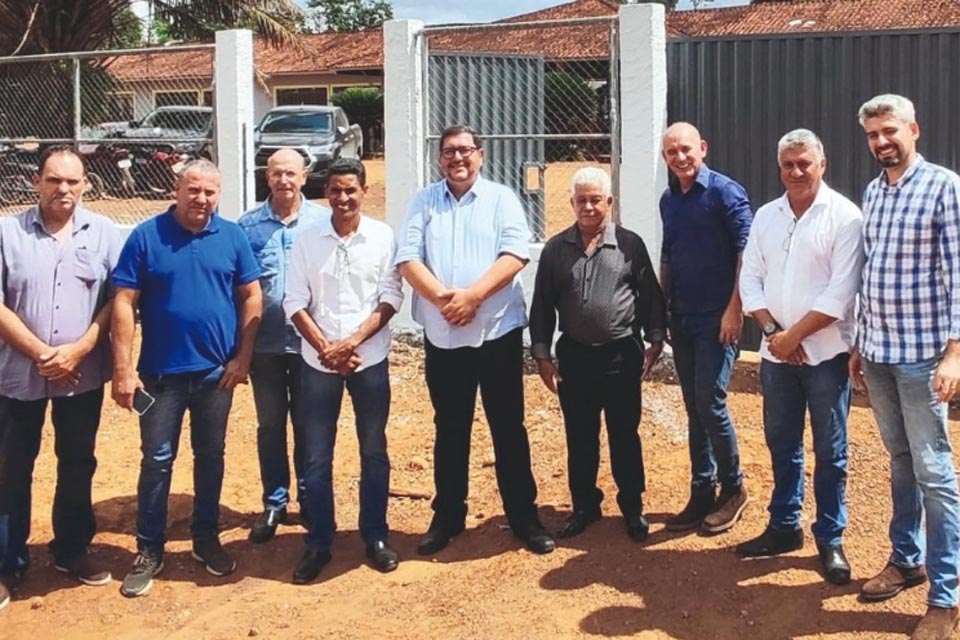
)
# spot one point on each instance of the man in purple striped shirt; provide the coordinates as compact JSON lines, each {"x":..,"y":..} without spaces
{"x":55,"y":264}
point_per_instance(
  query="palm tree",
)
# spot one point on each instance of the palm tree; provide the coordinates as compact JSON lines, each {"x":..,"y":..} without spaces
{"x":49,"y":26}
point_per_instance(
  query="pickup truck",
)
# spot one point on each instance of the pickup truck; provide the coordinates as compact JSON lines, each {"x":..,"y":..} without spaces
{"x":320,"y":133}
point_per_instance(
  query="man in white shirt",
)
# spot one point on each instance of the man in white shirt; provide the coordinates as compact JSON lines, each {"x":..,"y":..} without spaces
{"x":342,"y":290}
{"x":801,"y":270}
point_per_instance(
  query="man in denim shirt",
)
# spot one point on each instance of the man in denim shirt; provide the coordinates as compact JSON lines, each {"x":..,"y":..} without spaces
{"x":275,"y":371}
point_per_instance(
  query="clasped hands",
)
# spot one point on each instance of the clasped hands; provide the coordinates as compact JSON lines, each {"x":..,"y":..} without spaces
{"x":61,"y":364}
{"x":785,"y":347}
{"x":340,"y":355}
{"x":458,"y":306}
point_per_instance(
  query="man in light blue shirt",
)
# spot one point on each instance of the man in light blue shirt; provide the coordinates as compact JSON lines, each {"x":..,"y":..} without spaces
{"x":462,"y":247}
{"x":275,"y":372}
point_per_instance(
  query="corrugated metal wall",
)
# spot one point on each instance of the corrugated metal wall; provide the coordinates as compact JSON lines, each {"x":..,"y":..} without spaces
{"x":502,"y":95}
{"x":744,"y":93}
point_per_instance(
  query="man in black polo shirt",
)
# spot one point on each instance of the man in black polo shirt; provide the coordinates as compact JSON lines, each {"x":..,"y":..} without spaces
{"x":599,"y":278}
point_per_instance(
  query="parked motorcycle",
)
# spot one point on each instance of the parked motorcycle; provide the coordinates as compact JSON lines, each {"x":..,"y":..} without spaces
{"x":17,"y":167}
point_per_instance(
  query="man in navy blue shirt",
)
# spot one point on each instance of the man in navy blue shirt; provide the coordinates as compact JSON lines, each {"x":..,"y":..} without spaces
{"x":706,"y":221}
{"x":193,"y":277}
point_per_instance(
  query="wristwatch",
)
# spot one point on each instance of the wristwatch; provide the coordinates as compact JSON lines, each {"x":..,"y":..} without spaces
{"x":770,"y":328}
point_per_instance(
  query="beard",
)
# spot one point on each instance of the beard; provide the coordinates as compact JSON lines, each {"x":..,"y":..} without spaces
{"x":889,"y":161}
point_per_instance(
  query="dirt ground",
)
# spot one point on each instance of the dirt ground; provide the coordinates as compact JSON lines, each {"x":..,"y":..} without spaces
{"x":485,"y":585}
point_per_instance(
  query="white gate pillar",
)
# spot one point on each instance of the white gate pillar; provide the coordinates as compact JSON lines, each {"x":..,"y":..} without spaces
{"x":643,"y":113}
{"x":404,"y":126}
{"x":233,"y":83}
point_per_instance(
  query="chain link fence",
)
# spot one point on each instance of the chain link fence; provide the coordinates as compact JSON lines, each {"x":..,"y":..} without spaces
{"x":136,"y":117}
{"x":543,"y":94}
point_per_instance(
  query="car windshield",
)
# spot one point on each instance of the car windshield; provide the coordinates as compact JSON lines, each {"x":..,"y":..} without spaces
{"x":195,"y":121}
{"x":297,"y":123}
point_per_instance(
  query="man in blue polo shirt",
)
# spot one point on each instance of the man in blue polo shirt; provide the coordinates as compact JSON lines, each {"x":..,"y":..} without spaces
{"x":194,"y":280}
{"x":276,"y":370}
{"x":706,"y":221}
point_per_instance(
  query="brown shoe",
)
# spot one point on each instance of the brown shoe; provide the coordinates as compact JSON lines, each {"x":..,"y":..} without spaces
{"x":891,"y":581}
{"x":937,"y":624}
{"x":729,"y":508}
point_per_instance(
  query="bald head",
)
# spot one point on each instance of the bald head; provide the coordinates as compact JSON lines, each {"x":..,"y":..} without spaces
{"x":684,"y":150}
{"x":683,"y":130}
{"x":286,"y":175}
{"x":286,"y":156}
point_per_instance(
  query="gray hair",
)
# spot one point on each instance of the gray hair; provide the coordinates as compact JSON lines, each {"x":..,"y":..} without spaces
{"x":886,"y":104}
{"x":201,"y":166}
{"x":591,"y":176}
{"x":800,"y":139}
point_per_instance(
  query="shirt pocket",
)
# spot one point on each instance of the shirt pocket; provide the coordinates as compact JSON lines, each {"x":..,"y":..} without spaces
{"x":269,"y":259}
{"x":87,"y":267}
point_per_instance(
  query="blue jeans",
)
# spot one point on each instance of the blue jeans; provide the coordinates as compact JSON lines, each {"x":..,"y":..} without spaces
{"x":704,"y":365}
{"x":75,"y":423}
{"x":275,"y":378}
{"x":913,"y":425}
{"x":159,"y":440}
{"x":788,"y":392}
{"x":322,"y":396}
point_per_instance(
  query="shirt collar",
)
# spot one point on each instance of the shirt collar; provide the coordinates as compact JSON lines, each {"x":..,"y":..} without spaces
{"x":325,"y":224}
{"x":821,"y":201}
{"x":476,"y":189}
{"x":911,"y":171}
{"x":572,"y":235}
{"x":213,"y":224}
{"x":703,"y":179}
{"x":267,"y":212}
{"x":81,"y":219}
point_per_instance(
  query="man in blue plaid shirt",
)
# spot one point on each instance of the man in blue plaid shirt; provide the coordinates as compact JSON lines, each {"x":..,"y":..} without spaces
{"x":908,"y":354}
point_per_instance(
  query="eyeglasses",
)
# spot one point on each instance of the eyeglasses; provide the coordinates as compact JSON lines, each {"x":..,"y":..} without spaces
{"x":788,"y":241}
{"x":450,"y":152}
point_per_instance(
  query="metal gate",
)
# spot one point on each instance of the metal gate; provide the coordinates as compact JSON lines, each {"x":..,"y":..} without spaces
{"x":542,"y":114}
{"x":136,"y":116}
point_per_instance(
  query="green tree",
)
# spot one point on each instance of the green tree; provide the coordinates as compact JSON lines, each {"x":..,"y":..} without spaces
{"x":350,"y":15}
{"x":50,"y":26}
{"x":128,"y":31}
{"x":363,"y":106}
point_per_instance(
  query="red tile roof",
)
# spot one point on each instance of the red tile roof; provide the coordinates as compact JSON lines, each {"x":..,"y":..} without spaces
{"x":319,"y":53}
{"x":815,"y":16}
{"x":569,"y":10}
{"x":330,"y":52}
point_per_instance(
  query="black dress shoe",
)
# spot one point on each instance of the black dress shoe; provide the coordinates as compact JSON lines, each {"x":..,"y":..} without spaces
{"x":437,"y":538}
{"x":637,"y":527}
{"x":577,"y":523}
{"x":385,"y":559}
{"x":836,"y":568}
{"x":310,"y":564}
{"x":772,"y":542}
{"x":265,"y":526}
{"x":535,"y":538}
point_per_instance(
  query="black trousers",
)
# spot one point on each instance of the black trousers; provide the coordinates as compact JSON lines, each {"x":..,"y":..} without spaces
{"x":453,"y":376}
{"x":605,"y":378}
{"x":75,"y":423}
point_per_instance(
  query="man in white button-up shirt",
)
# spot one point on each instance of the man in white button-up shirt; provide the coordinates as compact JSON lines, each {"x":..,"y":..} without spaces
{"x":801,"y":271}
{"x":342,"y":290}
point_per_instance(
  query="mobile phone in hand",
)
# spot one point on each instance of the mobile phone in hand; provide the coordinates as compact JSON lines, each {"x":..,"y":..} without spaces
{"x":142,"y":401}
